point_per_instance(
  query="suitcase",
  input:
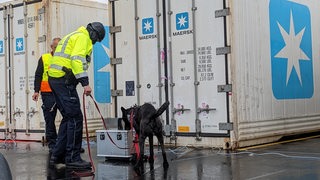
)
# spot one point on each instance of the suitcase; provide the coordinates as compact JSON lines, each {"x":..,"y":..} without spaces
{"x":118,"y":145}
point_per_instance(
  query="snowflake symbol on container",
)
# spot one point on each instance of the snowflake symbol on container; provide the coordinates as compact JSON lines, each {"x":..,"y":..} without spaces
{"x":147,"y":26}
{"x":1,"y":46}
{"x":19,"y":44}
{"x":182,"y":21}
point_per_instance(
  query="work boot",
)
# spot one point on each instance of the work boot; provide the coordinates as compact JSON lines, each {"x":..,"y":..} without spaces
{"x":55,"y":160}
{"x":78,"y":165}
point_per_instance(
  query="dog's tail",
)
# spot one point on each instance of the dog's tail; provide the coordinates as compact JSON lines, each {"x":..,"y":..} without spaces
{"x":161,"y":109}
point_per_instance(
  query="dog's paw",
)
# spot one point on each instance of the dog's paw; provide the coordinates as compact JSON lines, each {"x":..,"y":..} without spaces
{"x":165,"y":165}
{"x":137,"y":170}
{"x":151,"y":160}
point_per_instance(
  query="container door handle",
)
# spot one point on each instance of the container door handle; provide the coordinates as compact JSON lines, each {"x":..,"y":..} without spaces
{"x":32,"y":112}
{"x":205,"y":109}
{"x":17,"y":112}
{"x":182,"y":110}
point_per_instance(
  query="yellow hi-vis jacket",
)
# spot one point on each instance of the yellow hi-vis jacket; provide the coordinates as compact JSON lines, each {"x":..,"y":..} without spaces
{"x":71,"y":53}
{"x":44,"y":87}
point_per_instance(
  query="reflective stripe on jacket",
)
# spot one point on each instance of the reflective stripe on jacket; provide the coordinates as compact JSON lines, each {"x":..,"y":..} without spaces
{"x":44,"y":83}
{"x":71,"y":53}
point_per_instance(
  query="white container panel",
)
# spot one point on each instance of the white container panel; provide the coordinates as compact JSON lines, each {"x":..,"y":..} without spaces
{"x":26,"y":52}
{"x":18,"y":76}
{"x":182,"y":65}
{"x":138,"y":39}
{"x":126,"y":49}
{"x":277,"y":89}
{"x":3,"y":123}
{"x":210,"y":67}
{"x":68,"y":15}
{"x":148,"y":52}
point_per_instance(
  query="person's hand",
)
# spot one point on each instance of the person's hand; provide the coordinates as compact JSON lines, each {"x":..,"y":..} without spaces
{"x":35,"y":96}
{"x":87,"y":90}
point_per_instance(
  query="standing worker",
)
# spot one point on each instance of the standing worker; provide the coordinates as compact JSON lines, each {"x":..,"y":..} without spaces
{"x":68,"y":67}
{"x":48,"y":101}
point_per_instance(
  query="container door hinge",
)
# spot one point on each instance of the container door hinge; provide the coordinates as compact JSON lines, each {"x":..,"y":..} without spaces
{"x":173,"y":126}
{"x":115,"y":61}
{"x":223,"y":50}
{"x":167,"y":130}
{"x":222,"y":12}
{"x":115,"y":93}
{"x":198,"y":130}
{"x":115,"y":29}
{"x":225,"y":88}
{"x":226,"y":126}
{"x":41,"y":10}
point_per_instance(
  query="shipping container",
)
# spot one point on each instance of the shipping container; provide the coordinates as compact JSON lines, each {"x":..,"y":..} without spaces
{"x":26,"y":31}
{"x":236,"y":72}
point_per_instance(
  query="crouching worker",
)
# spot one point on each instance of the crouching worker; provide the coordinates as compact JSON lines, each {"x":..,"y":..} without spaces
{"x":67,"y":68}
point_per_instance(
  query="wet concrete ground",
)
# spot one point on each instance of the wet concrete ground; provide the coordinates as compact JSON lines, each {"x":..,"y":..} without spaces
{"x":295,"y":160}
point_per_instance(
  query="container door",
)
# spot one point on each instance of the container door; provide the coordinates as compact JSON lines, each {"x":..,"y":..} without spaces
{"x":125,"y":47}
{"x":140,"y":75}
{"x":196,"y":70}
{"x":4,"y":124}
{"x":26,"y":29}
{"x":148,"y":50}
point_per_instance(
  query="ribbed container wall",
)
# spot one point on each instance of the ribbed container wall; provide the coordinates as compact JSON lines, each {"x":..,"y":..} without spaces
{"x":275,"y":68}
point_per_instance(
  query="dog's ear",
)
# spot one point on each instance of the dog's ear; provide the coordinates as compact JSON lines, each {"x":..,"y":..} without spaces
{"x":123,"y":109}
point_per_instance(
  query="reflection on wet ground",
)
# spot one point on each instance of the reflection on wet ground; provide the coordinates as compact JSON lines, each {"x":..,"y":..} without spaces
{"x":296,"y":160}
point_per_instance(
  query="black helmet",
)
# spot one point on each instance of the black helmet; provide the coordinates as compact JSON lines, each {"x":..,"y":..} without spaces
{"x":96,"y":31}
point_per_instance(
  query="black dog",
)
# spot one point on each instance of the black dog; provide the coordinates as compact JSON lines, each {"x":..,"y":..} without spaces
{"x":146,"y":123}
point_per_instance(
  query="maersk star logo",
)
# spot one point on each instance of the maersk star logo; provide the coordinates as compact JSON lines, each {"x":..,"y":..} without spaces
{"x":101,"y":55}
{"x":147,"y":26}
{"x":1,"y":47}
{"x":292,"y":41}
{"x":182,"y":21}
{"x":19,"y":44}
{"x":291,"y":50}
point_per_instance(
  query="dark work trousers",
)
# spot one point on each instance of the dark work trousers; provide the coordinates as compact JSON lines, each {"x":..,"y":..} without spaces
{"x":49,"y":109}
{"x":70,"y":131}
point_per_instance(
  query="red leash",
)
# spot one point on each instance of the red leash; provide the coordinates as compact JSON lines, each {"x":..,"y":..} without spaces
{"x":88,"y":173}
{"x":104,"y":124}
{"x":136,"y":137}
{"x":136,"y":145}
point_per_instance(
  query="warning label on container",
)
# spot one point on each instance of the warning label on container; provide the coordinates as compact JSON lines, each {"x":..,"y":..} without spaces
{"x":205,"y":65}
{"x":183,"y":129}
{"x":130,"y":88}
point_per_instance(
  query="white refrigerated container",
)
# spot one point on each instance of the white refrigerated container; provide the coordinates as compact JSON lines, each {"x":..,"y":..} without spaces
{"x":26,"y":31}
{"x":236,"y":72}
